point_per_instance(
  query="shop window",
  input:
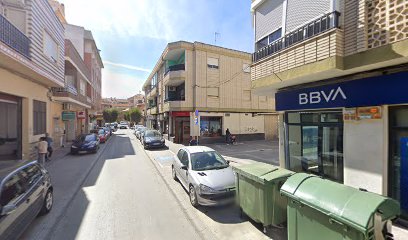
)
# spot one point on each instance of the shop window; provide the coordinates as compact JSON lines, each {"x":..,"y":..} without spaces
{"x":39,"y":117}
{"x":211,"y":126}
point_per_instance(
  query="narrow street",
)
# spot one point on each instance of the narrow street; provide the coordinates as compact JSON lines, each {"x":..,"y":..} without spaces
{"x":123,"y":197}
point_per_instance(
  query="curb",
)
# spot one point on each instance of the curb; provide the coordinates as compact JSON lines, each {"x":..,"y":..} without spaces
{"x":196,"y":223}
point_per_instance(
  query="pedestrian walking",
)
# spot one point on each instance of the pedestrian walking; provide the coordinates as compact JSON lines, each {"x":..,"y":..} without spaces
{"x":227,"y":135}
{"x":42,"y":150}
{"x":49,"y":148}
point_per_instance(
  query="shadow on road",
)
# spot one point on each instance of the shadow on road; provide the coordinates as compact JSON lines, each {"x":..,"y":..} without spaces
{"x":68,"y":226}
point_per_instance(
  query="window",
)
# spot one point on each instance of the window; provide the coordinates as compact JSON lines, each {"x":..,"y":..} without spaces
{"x":50,"y":47}
{"x":212,"y":63}
{"x":31,"y":175}
{"x":269,"y":39}
{"x":246,"y":68}
{"x":207,"y":160}
{"x":213,"y":92}
{"x":17,"y":18}
{"x":184,"y":159}
{"x":82,"y":86}
{"x":39,"y":117}
{"x":211,"y":126}
{"x":180,"y":154}
{"x":12,"y":190}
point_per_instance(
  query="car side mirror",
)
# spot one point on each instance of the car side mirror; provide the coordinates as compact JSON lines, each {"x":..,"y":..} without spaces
{"x":8,"y":209}
{"x":228,"y":162}
{"x":184,"y":167}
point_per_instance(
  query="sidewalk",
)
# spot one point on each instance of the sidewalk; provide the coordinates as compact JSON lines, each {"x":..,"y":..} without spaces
{"x":67,"y":172}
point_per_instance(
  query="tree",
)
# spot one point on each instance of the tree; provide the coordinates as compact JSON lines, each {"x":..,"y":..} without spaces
{"x":110,"y":115}
{"x":135,"y":115}
{"x":126,"y":115}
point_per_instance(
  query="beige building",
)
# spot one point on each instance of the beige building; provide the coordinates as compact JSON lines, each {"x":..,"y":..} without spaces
{"x":338,"y":70}
{"x":81,"y":95}
{"x":31,"y":63}
{"x":200,"y":90}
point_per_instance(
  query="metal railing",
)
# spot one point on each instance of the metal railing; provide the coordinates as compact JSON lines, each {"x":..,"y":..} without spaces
{"x":14,"y":38}
{"x":66,"y":89}
{"x":316,"y":27}
{"x":178,"y":67}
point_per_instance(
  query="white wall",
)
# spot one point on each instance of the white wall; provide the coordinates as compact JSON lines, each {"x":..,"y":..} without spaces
{"x":76,"y":35}
{"x":365,"y":154}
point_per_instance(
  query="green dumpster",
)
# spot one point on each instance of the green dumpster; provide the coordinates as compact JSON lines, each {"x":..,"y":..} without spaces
{"x":257,"y":192}
{"x":323,"y":209}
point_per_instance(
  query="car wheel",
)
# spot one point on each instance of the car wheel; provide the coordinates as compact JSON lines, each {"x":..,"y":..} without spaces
{"x":193,"y":196}
{"x":173,"y":173}
{"x":48,"y":202}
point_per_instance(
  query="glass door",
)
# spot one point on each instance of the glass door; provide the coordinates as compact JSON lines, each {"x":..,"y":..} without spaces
{"x":315,"y":143}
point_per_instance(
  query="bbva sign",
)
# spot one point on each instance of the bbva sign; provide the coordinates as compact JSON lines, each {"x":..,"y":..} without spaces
{"x":317,"y":97}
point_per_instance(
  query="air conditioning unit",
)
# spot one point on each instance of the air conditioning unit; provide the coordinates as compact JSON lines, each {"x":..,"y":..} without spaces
{"x":172,"y":89}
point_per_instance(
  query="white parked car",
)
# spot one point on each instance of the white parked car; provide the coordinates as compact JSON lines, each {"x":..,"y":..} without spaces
{"x":123,"y":125}
{"x":205,"y":174}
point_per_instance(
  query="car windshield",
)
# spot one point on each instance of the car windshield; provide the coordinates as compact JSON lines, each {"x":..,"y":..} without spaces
{"x":86,"y":138}
{"x":207,"y":161}
{"x":101,"y":131}
{"x":152,"y":134}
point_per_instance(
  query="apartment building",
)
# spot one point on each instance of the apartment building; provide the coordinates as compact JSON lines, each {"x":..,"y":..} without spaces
{"x":338,"y":70}
{"x":31,"y":63}
{"x":81,"y":94}
{"x":200,"y":90}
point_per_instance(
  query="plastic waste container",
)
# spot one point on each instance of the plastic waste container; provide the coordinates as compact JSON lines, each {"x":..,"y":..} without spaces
{"x":323,"y":209}
{"x":257,"y":192}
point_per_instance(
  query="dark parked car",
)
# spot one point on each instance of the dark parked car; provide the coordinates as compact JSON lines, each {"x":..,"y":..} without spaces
{"x":153,"y":139}
{"x":26,"y":192}
{"x":85,"y":143}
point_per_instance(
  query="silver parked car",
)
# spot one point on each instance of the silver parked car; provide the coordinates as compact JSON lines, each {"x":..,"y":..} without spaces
{"x":205,"y":174}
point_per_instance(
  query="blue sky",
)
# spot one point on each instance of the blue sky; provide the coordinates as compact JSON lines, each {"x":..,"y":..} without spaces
{"x":133,"y":33}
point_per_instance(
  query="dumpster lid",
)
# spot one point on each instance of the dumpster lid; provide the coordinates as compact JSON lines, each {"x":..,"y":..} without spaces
{"x":262,"y":172}
{"x":346,"y":204}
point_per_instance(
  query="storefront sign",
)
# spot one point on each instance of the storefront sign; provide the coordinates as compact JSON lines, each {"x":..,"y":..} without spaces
{"x":349,"y":114}
{"x":369,"y":113}
{"x":373,"y":91}
{"x":150,"y":117}
{"x":180,"y":114}
{"x":68,"y":116}
{"x":81,"y":115}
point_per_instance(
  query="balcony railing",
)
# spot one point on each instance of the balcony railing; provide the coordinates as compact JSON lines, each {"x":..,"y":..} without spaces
{"x":66,"y":89}
{"x":14,"y":38}
{"x":72,"y":53}
{"x":316,"y":27}
{"x":177,"y":67}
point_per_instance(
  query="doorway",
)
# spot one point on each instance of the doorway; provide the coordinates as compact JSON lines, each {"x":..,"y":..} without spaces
{"x":10,"y":128}
{"x":314,"y":143}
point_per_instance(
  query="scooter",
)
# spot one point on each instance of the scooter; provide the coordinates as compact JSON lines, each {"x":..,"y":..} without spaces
{"x":232,"y":140}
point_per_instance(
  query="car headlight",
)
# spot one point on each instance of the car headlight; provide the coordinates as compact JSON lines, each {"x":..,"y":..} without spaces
{"x":206,"y":190}
{"x":74,"y":146}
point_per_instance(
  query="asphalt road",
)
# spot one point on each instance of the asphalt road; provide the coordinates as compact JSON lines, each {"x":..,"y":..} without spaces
{"x":124,"y":197}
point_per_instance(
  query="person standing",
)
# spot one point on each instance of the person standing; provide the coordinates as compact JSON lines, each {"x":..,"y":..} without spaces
{"x":49,"y":148}
{"x":42,"y":150}
{"x":227,"y":135}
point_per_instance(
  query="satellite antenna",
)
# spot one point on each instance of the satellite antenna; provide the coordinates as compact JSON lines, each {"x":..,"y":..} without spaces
{"x":215,"y":37}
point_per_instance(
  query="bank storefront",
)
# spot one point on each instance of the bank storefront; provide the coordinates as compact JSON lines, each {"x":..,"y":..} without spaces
{"x":353,"y":132}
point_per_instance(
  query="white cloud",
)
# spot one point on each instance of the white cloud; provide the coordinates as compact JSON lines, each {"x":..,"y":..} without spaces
{"x":120,"y":85}
{"x":145,"y":18}
{"x":121,"y":65}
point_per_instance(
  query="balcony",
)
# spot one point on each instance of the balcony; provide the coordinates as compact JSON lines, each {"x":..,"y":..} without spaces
{"x":175,"y":76}
{"x":69,"y":94}
{"x":13,"y":38}
{"x":152,"y":93}
{"x":72,"y":55}
{"x":310,"y":30}
{"x":297,"y":59}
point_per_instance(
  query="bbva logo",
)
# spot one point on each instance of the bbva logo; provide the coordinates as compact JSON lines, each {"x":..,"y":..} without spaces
{"x":319,"y":96}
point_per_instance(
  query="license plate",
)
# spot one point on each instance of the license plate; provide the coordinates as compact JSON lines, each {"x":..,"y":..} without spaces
{"x":82,"y":152}
{"x":156,"y":144}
